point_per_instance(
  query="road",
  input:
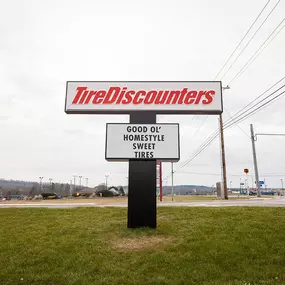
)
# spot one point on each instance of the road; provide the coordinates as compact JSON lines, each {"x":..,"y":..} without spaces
{"x":257,"y":202}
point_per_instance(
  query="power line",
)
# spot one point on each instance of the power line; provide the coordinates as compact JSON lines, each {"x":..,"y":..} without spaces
{"x":198,"y":151}
{"x":237,"y":125}
{"x":200,"y":127}
{"x":196,"y":132}
{"x":256,"y":54}
{"x":238,"y":175}
{"x":245,"y":111}
{"x":250,"y":40}
{"x":237,"y":118}
{"x":209,"y":141}
{"x":213,"y":134}
{"x":236,"y":49}
{"x":257,"y":109}
{"x":270,"y":134}
{"x":243,"y":49}
{"x":250,"y":103}
{"x":203,"y":124}
{"x":242,"y":40}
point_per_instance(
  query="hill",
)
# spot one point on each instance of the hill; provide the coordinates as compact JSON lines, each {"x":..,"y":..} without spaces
{"x":188,"y":190}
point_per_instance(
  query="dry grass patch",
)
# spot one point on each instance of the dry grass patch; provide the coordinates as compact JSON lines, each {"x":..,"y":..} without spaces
{"x":141,"y":243}
{"x":97,"y":201}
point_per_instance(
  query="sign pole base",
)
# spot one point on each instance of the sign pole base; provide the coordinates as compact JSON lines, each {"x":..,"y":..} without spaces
{"x":142,"y":183}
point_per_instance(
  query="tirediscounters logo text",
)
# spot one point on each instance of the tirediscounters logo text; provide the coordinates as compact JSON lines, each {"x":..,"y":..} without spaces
{"x":160,"y":97}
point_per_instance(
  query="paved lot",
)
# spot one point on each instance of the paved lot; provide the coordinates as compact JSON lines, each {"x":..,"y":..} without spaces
{"x":260,"y":202}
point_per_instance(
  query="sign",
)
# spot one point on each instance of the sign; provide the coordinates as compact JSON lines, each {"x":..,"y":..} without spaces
{"x":142,"y":142}
{"x":161,"y":97}
{"x":260,"y":183}
{"x":246,"y":171}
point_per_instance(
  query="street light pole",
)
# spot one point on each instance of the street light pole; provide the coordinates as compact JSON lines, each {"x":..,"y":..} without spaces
{"x":70,"y":189}
{"x":172,"y":172}
{"x":106,"y":176}
{"x":247,"y":185}
{"x":80,"y":176}
{"x":160,"y":182}
{"x":41,"y":179}
{"x":265,"y":185}
{"x":74,"y":177}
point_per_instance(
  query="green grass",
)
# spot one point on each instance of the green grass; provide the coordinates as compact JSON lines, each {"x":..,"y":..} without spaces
{"x":208,"y":246}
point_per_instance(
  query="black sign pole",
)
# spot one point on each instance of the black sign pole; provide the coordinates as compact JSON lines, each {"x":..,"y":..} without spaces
{"x":142,"y":182}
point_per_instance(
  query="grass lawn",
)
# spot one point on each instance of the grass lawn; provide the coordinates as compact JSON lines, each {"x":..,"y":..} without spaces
{"x":77,"y":246}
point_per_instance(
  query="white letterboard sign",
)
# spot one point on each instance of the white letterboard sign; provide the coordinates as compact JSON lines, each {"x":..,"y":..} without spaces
{"x":142,"y":142}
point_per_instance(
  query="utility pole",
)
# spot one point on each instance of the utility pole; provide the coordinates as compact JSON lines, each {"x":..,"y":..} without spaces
{"x":223,"y":158}
{"x":255,"y":161}
{"x":172,"y":172}
{"x":253,"y":146}
{"x":224,"y":170}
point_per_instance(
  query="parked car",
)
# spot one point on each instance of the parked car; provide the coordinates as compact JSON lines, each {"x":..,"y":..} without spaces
{"x":49,"y":196}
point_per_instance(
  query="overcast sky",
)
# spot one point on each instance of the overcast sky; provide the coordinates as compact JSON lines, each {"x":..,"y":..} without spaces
{"x":45,"y":43}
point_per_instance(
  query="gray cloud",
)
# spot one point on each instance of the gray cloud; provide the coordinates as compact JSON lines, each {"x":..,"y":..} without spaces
{"x":43,"y":44}
{"x":4,"y":118}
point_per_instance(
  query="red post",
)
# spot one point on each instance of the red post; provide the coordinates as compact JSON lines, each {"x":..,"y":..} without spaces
{"x":160,"y":181}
